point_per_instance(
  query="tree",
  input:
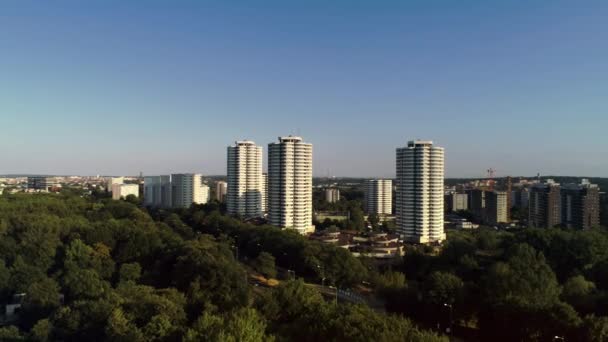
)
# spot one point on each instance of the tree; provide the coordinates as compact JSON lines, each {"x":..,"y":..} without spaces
{"x":596,"y":329}
{"x":357,"y":218}
{"x":374,"y":220}
{"x":244,"y":325}
{"x":442,"y":288}
{"x":42,"y":331}
{"x":130,"y":272}
{"x":265,"y":264}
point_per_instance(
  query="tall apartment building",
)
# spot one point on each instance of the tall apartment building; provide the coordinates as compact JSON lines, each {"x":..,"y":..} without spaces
{"x":265,"y":192}
{"x":221,"y":189}
{"x":545,"y":205}
{"x":419,"y":199}
{"x":114,"y":180}
{"x":188,"y":188}
{"x":456,"y":202}
{"x":580,"y":205}
{"x":123,"y":190}
{"x":477,"y":202}
{"x":41,"y":183}
{"x":290,"y":184}
{"x":379,"y":196}
{"x":244,"y":197}
{"x":157,"y":191}
{"x":496,"y":210}
{"x":332,"y":195}
{"x":520,"y":198}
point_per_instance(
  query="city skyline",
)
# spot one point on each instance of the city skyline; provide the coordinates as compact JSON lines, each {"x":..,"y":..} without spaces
{"x":115,"y":88}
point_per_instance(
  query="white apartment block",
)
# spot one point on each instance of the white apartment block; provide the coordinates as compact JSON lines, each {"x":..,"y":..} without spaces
{"x":157,"y":191}
{"x":379,"y":196}
{"x":419,"y":196}
{"x":332,"y":195}
{"x":188,"y":188}
{"x":290,"y":184}
{"x":221,"y":190}
{"x":114,"y":180}
{"x":265,"y":192}
{"x":245,"y":182}
{"x":123,"y":190}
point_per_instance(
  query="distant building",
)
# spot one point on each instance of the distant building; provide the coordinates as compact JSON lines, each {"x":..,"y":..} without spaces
{"x":545,"y":205}
{"x":379,"y":196}
{"x":188,"y":188}
{"x":114,"y":180}
{"x":157,"y":191}
{"x":456,"y":202}
{"x":496,"y":207}
{"x":123,"y":190}
{"x":290,"y":184}
{"x":477,"y":202}
{"x":244,"y":196}
{"x":520,"y":198}
{"x":580,"y":205}
{"x":419,"y":199}
{"x":332,"y":195}
{"x":40,"y":183}
{"x":221,"y":189}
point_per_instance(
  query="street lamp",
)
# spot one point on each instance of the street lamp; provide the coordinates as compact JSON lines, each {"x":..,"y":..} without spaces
{"x":292,"y":272}
{"x":449,"y":328}
{"x":558,"y":338}
{"x":322,"y":275}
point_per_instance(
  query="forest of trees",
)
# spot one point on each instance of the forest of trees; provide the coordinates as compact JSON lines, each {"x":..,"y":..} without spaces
{"x":96,"y":269}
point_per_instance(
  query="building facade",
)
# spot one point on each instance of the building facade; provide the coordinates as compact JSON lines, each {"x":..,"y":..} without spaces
{"x":580,"y":205}
{"x":379,"y":196}
{"x":456,"y":202}
{"x":245,"y":183}
{"x":545,"y":205}
{"x":114,"y":180}
{"x":419,"y":196}
{"x":332,"y":195}
{"x":157,"y":191}
{"x":265,"y":192}
{"x":221,"y":189}
{"x":188,"y":189}
{"x":41,"y":183}
{"x":290,"y":184}
{"x":123,"y":190}
{"x":497,"y":210}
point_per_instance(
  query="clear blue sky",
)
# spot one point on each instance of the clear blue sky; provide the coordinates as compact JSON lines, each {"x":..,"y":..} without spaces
{"x":118,"y":87}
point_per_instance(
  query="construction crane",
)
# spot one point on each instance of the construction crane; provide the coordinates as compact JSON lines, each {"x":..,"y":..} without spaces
{"x":490,"y":175}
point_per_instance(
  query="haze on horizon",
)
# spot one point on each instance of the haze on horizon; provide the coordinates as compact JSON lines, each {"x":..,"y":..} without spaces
{"x":119,"y":87}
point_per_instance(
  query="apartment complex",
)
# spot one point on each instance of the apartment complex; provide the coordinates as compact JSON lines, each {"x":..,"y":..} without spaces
{"x":41,"y":183}
{"x":290,"y":184}
{"x":379,"y":196}
{"x":188,"y":188}
{"x":419,"y":196}
{"x":157,"y":191}
{"x":221,"y":189}
{"x":114,"y":180}
{"x":545,"y":205}
{"x":245,"y":182}
{"x":332,"y":195}
{"x":123,"y":190}
{"x":580,"y":205}
{"x":265,"y":192}
{"x":456,"y":202}
{"x":496,"y":210}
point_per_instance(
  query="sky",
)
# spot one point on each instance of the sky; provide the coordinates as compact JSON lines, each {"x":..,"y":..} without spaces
{"x":116,"y":87}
